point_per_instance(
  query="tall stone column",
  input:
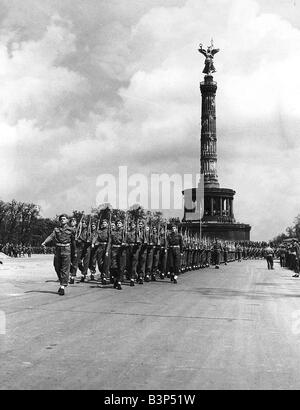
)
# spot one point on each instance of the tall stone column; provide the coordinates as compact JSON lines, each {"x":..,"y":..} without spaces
{"x":208,"y":132}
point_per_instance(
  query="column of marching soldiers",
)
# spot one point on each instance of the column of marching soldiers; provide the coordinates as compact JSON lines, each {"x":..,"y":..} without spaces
{"x":136,"y":250}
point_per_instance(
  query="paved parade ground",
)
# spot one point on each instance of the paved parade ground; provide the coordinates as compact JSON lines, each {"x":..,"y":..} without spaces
{"x":233,"y":328}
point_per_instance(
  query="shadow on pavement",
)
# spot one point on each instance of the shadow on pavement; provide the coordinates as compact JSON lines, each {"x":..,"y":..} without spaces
{"x":42,"y":291}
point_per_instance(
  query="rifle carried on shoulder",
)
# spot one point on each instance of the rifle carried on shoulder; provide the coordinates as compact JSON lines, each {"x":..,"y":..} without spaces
{"x":79,"y":228}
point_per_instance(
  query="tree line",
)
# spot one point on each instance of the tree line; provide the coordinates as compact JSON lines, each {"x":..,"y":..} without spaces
{"x":290,"y":232}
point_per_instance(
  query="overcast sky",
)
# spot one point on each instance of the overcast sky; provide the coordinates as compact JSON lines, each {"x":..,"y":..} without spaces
{"x":89,"y":85}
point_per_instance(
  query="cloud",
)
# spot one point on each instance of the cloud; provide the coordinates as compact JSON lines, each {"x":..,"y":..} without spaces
{"x":90,"y":87}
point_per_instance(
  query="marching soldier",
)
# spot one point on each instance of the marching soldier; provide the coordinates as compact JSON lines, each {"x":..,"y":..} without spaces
{"x":85,"y":254}
{"x":143,"y":253}
{"x":73,"y":270}
{"x":175,"y":246}
{"x":217,"y":254}
{"x":163,"y":260}
{"x":150,"y":252}
{"x":118,"y":255}
{"x":64,"y":238}
{"x":269,"y":255}
{"x":103,"y":254}
{"x":134,"y":246}
{"x":156,"y":253}
{"x":94,"y":250}
{"x":225,"y":252}
{"x":239,"y":252}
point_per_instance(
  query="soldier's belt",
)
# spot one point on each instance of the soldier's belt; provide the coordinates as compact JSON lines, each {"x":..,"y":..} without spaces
{"x":174,"y":246}
{"x":62,"y":245}
{"x":116,"y":246}
{"x":103,"y":243}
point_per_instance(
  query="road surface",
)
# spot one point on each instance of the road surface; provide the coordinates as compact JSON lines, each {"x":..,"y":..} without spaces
{"x":233,"y":328}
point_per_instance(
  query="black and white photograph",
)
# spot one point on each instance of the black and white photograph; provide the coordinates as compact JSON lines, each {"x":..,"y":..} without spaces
{"x":149,"y":197}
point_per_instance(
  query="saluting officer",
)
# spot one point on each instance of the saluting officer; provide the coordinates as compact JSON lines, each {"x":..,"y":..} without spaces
{"x":64,"y":238}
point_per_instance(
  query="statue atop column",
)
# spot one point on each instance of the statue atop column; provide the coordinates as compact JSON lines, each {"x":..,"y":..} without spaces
{"x":209,"y":57}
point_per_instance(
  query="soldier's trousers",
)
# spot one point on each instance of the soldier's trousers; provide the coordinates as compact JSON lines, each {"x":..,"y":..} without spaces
{"x":208,"y":258}
{"x":142,"y":261}
{"x":156,"y":257}
{"x":217,"y":257}
{"x":133,"y":260}
{"x":195,"y":259}
{"x":62,"y":264}
{"x":163,"y":261}
{"x":149,"y":260}
{"x":270,"y":262}
{"x":85,"y":259}
{"x":93,"y":258}
{"x":118,"y":262}
{"x":103,"y":260}
{"x":74,"y":262}
{"x":175,"y":259}
{"x":282,"y":261}
{"x":225,"y":257}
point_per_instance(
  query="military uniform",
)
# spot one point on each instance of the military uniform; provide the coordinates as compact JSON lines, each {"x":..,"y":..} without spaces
{"x":142,"y":256}
{"x":150,"y":253}
{"x":175,"y":247}
{"x":117,"y":257}
{"x":217,"y":254}
{"x":83,"y":248}
{"x":225,"y":253}
{"x":156,"y":254}
{"x":269,"y":255}
{"x":133,"y":252}
{"x":64,"y":239}
{"x":103,"y":253}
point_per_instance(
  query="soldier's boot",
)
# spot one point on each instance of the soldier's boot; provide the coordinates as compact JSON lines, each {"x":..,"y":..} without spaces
{"x":147,"y":278}
{"x":82,"y":279}
{"x":131,"y":282}
{"x":72,"y":280}
{"x":112,"y":280}
{"x":153,"y":277}
{"x":172,"y":278}
{"x":140,"y":281}
{"x":92,"y":276}
{"x":104,"y":281}
{"x":175,"y":279}
{"x":217,"y":267}
{"x":61,"y":291}
{"x":119,"y":287}
{"x":162,"y":275}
